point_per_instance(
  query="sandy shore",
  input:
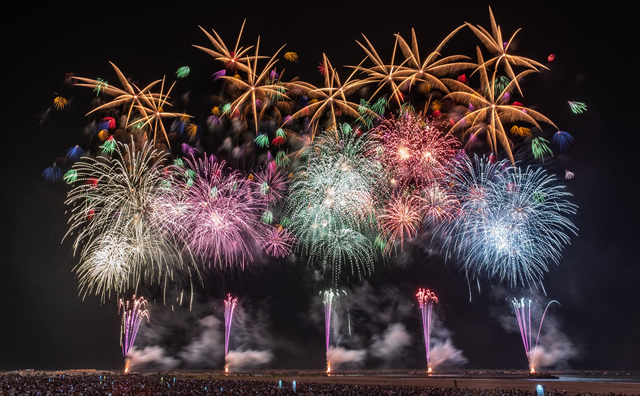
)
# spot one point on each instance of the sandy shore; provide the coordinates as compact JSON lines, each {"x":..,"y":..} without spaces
{"x":473,"y":383}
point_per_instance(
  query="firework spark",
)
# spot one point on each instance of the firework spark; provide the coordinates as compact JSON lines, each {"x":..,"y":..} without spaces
{"x":577,"y":107}
{"x":229,"y":307}
{"x":277,"y":241}
{"x":132,"y":314}
{"x":426,"y":299}
{"x":522,"y":311}
{"x":328,"y":297}
{"x":401,"y":219}
{"x":500,"y":51}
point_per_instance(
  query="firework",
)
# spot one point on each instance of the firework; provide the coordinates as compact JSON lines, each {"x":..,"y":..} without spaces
{"x":428,"y":70}
{"x":272,"y":184}
{"x":277,"y":241}
{"x":512,"y":222}
{"x":333,"y":201}
{"x":129,"y":96}
{"x":132,"y":314}
{"x":217,"y":212}
{"x":152,"y":107}
{"x":332,"y":98}
{"x":74,"y":153}
{"x":522,"y":311}
{"x":183,"y":72}
{"x":115,"y":220}
{"x":381,"y":73}
{"x":438,"y":204}
{"x":577,"y":107}
{"x":59,"y":102}
{"x":491,"y":109}
{"x":328,"y":297}
{"x":257,"y":87}
{"x":400,"y":218}
{"x":291,"y":56}
{"x":500,"y":50}
{"x":233,"y":60}
{"x":52,"y":174}
{"x":562,"y":140}
{"x":229,"y":307}
{"x":413,"y":151}
{"x":426,"y":299}
{"x":539,"y":147}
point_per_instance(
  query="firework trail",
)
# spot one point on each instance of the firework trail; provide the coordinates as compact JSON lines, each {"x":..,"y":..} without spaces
{"x":426,"y":299}
{"x":328,"y":296}
{"x":229,"y":307}
{"x":132,"y":314}
{"x":522,"y":310}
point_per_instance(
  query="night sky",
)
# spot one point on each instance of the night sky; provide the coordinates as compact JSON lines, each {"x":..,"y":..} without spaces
{"x":45,"y":325}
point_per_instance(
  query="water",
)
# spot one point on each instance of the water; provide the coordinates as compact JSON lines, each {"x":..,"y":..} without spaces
{"x":598,"y":378}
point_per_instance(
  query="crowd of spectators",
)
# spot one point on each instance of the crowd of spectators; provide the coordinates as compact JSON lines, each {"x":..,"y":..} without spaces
{"x":126,"y":385}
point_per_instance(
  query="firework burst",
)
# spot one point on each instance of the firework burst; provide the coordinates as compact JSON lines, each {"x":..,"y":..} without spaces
{"x":400,"y":219}
{"x":277,"y":241}
{"x":217,"y":211}
{"x":114,"y":218}
{"x":413,"y":151}
{"x":512,"y":221}
{"x":333,"y":201}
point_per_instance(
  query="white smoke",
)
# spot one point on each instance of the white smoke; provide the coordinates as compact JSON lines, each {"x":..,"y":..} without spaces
{"x":445,"y":354}
{"x":338,"y":355}
{"x":554,"y":347}
{"x":151,"y":357}
{"x":208,"y":348}
{"x":195,"y":339}
{"x":237,"y":360}
{"x":391,"y":343}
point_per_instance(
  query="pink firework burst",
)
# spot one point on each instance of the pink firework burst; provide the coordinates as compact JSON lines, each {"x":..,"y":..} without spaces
{"x":272,"y":184}
{"x":216,"y":212}
{"x":414,"y":151}
{"x":277,"y":241}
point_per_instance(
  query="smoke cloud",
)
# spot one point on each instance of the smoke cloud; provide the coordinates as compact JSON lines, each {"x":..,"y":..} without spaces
{"x":195,"y":339}
{"x":554,"y":347}
{"x":445,"y":354}
{"x":391,"y":343}
{"x":208,"y":348}
{"x":338,"y":356}
{"x":238,"y":360}
{"x":151,"y":357}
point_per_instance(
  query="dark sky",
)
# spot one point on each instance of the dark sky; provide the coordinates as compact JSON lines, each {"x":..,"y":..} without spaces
{"x":43,"y":322}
